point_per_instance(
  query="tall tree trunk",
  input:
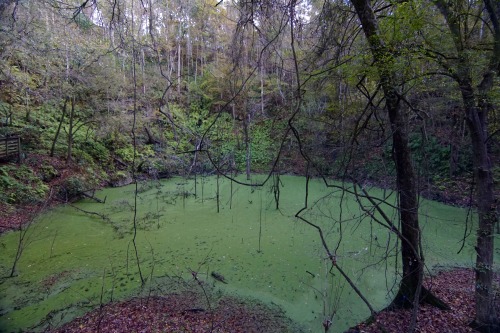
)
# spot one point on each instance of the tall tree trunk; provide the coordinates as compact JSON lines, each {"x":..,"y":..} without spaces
{"x":476,"y":118}
{"x":246,"y":125}
{"x":52,"y":149}
{"x":179,"y":62}
{"x":476,"y":108}
{"x":412,"y":259}
{"x":28,"y":110}
{"x":70,"y":130}
{"x":261,"y":72}
{"x":486,"y":320}
{"x":143,"y":71}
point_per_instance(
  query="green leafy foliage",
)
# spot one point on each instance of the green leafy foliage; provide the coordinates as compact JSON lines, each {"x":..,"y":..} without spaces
{"x":261,"y":148}
{"x":433,"y":158}
{"x":47,"y":172}
{"x":30,"y":137}
{"x":126,"y":153}
{"x":92,"y":70}
{"x":72,"y":187}
{"x":19,"y":185}
{"x":83,"y":21}
{"x":97,"y":150}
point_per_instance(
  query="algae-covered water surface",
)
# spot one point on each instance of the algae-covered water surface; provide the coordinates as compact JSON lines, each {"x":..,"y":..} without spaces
{"x":78,"y":256}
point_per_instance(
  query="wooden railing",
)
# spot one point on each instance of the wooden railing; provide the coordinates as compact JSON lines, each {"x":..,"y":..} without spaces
{"x":10,"y":146}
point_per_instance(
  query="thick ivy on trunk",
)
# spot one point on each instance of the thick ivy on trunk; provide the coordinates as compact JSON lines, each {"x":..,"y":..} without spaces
{"x":412,"y":260}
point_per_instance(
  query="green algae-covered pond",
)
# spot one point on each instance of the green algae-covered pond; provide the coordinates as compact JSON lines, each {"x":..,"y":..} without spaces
{"x":76,"y":257}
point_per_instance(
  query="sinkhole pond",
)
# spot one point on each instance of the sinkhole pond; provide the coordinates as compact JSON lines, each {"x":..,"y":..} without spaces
{"x":77,"y":256}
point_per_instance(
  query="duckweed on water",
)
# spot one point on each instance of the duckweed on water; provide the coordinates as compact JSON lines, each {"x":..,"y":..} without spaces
{"x":75,"y":260}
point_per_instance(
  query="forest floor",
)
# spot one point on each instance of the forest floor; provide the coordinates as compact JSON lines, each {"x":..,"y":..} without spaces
{"x":184,"y":313}
{"x":455,"y":287}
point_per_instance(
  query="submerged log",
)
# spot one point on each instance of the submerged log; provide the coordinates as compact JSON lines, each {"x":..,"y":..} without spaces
{"x":93,"y":197}
{"x":219,"y":277}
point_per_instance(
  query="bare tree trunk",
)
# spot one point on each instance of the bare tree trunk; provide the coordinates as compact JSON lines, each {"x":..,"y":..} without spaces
{"x":261,"y":85}
{"x":486,"y":320}
{"x":143,"y":71}
{"x":28,"y":111}
{"x":52,"y":149}
{"x":179,"y":62}
{"x":476,"y":106}
{"x":134,"y":138}
{"x":67,"y":63}
{"x":151,"y":138}
{"x":412,"y":260}
{"x":476,"y":119}
{"x":246,"y":125}
{"x":70,"y":130}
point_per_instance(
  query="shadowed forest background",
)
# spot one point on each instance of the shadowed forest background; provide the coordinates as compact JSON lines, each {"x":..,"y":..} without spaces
{"x":367,"y":132}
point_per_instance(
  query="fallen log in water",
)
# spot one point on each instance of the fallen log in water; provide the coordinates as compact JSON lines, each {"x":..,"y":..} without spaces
{"x":219,"y":277}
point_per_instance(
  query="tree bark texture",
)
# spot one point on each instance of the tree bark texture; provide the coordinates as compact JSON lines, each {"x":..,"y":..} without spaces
{"x":56,"y":137}
{"x":407,"y":189}
{"x":476,"y":107}
{"x":476,"y":118}
{"x":71,"y":130}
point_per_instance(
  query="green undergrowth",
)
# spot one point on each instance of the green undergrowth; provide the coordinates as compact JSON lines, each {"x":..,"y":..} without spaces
{"x":20,"y":185}
{"x":77,"y":257}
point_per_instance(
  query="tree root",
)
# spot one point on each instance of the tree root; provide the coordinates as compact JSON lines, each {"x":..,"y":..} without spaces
{"x":492,"y":328}
{"x":401,"y":301}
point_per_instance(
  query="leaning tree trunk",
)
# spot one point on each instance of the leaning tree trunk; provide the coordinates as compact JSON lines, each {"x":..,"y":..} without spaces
{"x":411,"y":284}
{"x":56,"y":137}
